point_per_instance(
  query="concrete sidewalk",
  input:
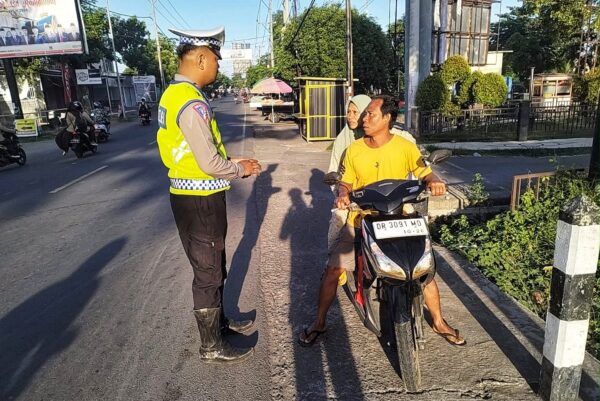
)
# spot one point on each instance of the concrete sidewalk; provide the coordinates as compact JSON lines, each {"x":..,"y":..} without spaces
{"x":512,"y":145}
{"x":500,"y":362}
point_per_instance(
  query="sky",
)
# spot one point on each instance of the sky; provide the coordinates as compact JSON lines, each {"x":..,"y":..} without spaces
{"x":239,"y":17}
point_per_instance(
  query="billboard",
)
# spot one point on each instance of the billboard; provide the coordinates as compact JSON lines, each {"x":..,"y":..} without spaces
{"x":144,"y":87}
{"x":40,"y":28}
{"x":236,"y":54}
{"x":88,"y":77}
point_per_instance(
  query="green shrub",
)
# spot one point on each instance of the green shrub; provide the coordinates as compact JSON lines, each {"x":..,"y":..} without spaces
{"x":490,"y":90}
{"x":515,"y":249}
{"x":432,"y":93}
{"x":586,"y":88}
{"x":455,"y":69}
{"x":477,"y":194}
{"x":465,"y":90}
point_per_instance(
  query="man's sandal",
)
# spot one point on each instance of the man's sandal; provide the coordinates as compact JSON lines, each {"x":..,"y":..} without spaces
{"x":453,"y":339}
{"x":315,"y":333}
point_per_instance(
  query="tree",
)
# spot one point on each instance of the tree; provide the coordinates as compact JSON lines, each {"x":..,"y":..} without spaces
{"x":237,"y":81}
{"x":257,"y":72}
{"x":131,"y":36}
{"x":544,"y":34}
{"x":144,"y":60}
{"x":319,"y":48}
{"x":396,"y":34}
{"x":96,"y":31}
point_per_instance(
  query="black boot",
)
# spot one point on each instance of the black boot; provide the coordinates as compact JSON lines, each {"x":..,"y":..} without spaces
{"x":213,"y":349}
{"x":239,"y":326}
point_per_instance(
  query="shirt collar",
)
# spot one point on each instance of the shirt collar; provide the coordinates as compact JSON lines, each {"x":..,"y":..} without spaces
{"x":183,"y":78}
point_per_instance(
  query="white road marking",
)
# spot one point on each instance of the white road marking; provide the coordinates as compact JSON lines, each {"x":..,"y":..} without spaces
{"x":151,"y":143}
{"x":76,"y":180}
{"x":243,"y":132}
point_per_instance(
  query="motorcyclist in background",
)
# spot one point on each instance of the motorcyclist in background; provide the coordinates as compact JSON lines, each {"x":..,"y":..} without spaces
{"x":101,"y":115}
{"x":143,"y":108}
{"x":79,"y":120}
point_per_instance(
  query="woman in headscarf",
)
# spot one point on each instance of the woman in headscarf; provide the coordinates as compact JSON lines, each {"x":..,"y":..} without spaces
{"x":351,"y":131}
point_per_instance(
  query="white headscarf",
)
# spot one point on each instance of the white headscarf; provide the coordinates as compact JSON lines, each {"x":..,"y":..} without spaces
{"x":347,"y":135}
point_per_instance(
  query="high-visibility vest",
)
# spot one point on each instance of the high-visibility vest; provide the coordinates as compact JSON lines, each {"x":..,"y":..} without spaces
{"x":187,"y":178}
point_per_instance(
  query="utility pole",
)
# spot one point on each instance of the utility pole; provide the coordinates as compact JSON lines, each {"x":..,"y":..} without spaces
{"x":271,"y":35}
{"x":286,"y":12}
{"x":158,"y":50}
{"x":112,"y":41}
{"x":294,"y":8}
{"x":349,"y":52}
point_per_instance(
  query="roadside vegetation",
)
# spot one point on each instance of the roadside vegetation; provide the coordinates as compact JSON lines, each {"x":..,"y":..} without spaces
{"x":515,"y":249}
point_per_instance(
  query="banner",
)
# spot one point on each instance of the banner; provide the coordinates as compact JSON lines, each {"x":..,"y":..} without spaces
{"x":88,"y":77}
{"x":236,"y":54}
{"x":144,"y":87}
{"x":26,"y":127}
{"x":40,"y":28}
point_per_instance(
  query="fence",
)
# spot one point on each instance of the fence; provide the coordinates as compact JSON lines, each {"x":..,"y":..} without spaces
{"x":515,"y":121}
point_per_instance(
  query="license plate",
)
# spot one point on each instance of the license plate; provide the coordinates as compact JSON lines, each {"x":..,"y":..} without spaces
{"x":400,"y":228}
{"x":74,"y":140}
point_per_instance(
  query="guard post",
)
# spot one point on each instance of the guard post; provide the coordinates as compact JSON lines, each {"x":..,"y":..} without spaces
{"x":322,"y":107}
{"x":573,"y":276}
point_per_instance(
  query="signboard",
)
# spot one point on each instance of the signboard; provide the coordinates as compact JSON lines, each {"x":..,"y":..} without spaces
{"x":144,"y":87}
{"x":88,"y":77}
{"x":26,"y":127}
{"x":40,"y":28}
{"x":236,"y":54}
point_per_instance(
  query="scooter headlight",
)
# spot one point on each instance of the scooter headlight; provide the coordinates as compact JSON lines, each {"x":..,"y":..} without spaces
{"x":382,"y":264}
{"x":426,"y":263}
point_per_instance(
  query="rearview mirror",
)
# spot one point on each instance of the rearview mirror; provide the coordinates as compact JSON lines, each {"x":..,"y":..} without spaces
{"x":438,"y":156}
{"x":332,"y":178}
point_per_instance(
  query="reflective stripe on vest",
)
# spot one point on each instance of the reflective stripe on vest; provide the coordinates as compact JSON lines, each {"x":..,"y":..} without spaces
{"x":199,"y":185}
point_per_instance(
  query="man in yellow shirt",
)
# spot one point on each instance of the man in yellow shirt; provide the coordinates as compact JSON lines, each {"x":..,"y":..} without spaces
{"x":377,"y":156}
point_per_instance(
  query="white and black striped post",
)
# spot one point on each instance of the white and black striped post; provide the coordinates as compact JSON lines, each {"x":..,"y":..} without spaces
{"x":567,"y":321}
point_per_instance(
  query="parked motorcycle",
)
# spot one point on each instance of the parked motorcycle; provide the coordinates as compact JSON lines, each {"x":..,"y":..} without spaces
{"x":145,"y":118}
{"x":80,"y":144}
{"x":11,"y":150}
{"x":394,"y":261}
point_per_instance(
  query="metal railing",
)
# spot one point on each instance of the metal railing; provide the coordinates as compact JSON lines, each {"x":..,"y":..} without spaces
{"x":576,"y":119}
{"x":482,"y":124}
{"x":522,"y":183}
{"x":539,"y":122}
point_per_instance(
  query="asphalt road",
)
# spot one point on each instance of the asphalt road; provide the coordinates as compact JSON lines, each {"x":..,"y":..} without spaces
{"x":95,"y":291}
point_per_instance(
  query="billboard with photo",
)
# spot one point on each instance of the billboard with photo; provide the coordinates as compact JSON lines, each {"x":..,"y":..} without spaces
{"x":144,"y":87}
{"x":40,"y":28}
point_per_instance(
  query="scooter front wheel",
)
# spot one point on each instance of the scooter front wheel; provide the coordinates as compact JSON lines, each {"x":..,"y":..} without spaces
{"x":22,"y":158}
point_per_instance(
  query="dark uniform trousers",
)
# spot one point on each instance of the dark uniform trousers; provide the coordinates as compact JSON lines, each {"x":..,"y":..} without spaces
{"x":202,"y":225}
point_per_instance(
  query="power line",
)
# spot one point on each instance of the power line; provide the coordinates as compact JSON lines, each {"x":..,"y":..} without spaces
{"x":312,"y":3}
{"x":170,"y":14}
{"x":165,"y":17}
{"x":177,"y":12}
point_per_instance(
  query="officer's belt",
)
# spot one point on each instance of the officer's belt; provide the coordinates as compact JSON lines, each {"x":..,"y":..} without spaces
{"x":199,"y":185}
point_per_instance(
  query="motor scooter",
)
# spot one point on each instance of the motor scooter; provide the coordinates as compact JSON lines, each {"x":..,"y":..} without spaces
{"x":394,"y":261}
{"x":144,"y":118}
{"x":11,"y":150}
{"x":80,"y":143}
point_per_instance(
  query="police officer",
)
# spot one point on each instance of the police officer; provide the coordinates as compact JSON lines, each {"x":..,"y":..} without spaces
{"x":200,"y":172}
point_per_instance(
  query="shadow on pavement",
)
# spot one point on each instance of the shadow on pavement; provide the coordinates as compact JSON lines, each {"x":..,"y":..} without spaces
{"x":42,"y":326}
{"x":303,"y":227}
{"x":240,"y":261}
{"x":526,"y":364}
